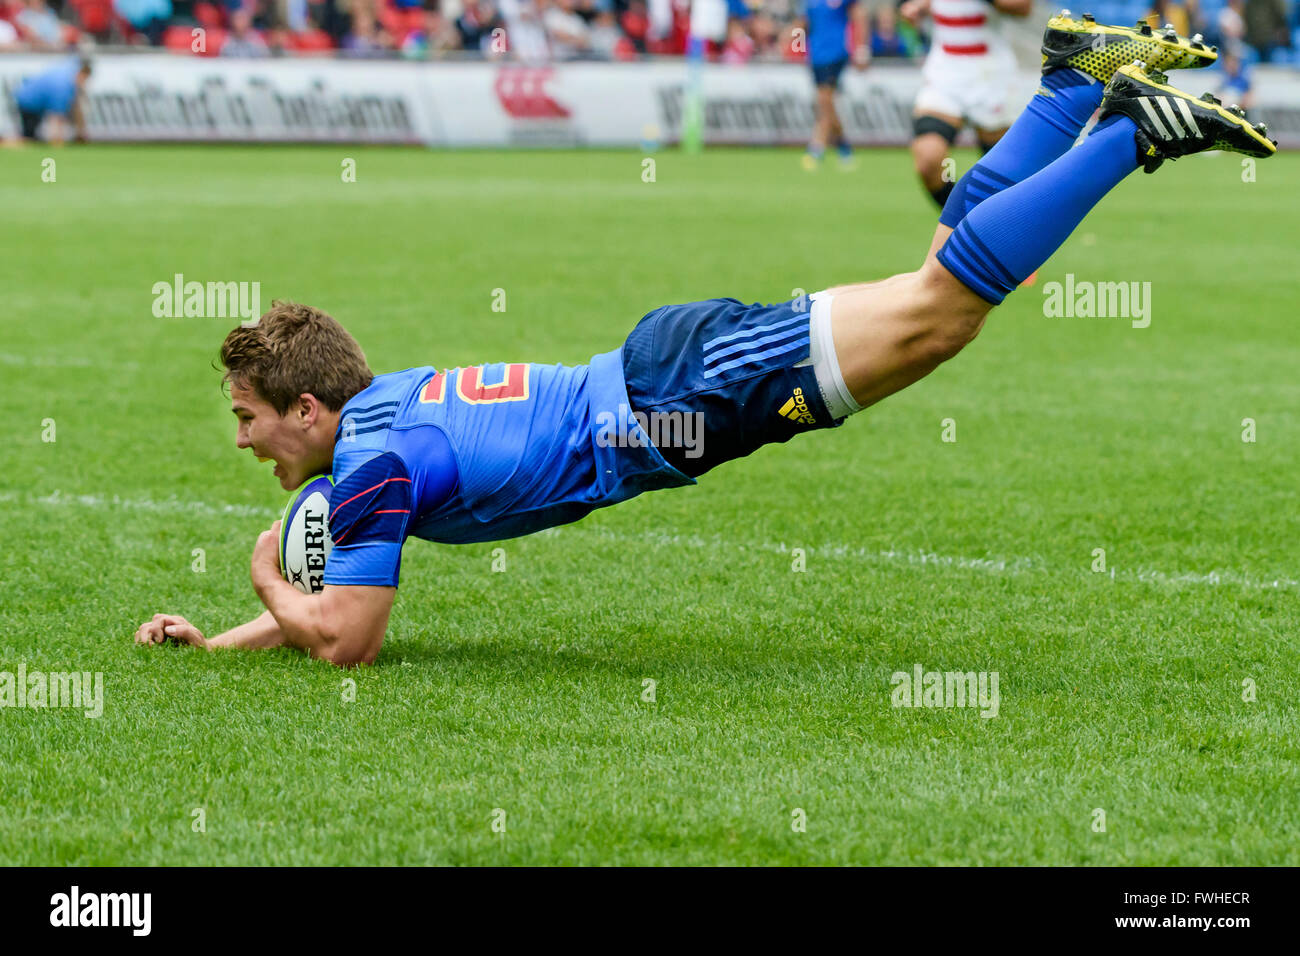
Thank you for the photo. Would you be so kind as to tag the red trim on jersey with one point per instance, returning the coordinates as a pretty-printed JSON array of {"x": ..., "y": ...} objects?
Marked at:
[
  {"x": 370, "y": 489},
  {"x": 975, "y": 20},
  {"x": 965, "y": 49}
]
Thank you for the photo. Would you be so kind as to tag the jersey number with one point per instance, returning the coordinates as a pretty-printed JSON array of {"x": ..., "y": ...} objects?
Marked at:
[{"x": 473, "y": 390}]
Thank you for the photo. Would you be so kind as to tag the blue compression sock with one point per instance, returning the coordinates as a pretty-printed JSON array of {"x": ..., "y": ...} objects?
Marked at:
[
  {"x": 1043, "y": 132},
  {"x": 1014, "y": 232}
]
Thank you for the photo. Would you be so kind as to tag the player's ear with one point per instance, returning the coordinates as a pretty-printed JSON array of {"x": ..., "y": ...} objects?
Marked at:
[{"x": 307, "y": 409}]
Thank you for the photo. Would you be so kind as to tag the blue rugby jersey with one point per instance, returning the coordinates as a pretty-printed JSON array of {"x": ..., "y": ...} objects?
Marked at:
[
  {"x": 828, "y": 24},
  {"x": 481, "y": 454}
]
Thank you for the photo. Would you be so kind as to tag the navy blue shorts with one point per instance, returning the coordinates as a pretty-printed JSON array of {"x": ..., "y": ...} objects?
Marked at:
[
  {"x": 828, "y": 74},
  {"x": 735, "y": 366},
  {"x": 31, "y": 122}
]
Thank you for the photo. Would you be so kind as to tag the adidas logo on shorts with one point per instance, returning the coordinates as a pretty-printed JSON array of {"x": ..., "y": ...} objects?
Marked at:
[{"x": 796, "y": 409}]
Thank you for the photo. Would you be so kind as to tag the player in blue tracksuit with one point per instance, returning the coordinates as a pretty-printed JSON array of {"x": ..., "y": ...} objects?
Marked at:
[
  {"x": 487, "y": 452},
  {"x": 56, "y": 92},
  {"x": 827, "y": 25}
]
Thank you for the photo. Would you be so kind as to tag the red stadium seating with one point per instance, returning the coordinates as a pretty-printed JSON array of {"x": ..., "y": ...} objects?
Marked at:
[
  {"x": 400, "y": 23},
  {"x": 310, "y": 41},
  {"x": 216, "y": 37},
  {"x": 210, "y": 15},
  {"x": 95, "y": 16},
  {"x": 178, "y": 39},
  {"x": 625, "y": 50}
]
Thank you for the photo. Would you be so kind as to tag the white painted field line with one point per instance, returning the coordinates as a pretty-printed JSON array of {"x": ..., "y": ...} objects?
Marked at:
[
  {"x": 916, "y": 557},
  {"x": 58, "y": 499},
  {"x": 59, "y": 361}
]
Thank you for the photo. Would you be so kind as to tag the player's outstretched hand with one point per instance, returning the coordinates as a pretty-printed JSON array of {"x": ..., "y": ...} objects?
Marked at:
[{"x": 173, "y": 626}]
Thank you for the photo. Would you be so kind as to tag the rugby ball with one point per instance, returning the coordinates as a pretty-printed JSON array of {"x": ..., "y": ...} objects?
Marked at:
[{"x": 305, "y": 535}]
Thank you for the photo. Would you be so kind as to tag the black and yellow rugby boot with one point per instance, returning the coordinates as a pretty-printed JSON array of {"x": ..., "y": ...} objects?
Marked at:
[
  {"x": 1098, "y": 49},
  {"x": 1171, "y": 123}
]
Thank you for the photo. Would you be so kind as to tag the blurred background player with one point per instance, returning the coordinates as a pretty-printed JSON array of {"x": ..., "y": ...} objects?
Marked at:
[
  {"x": 57, "y": 93},
  {"x": 968, "y": 78},
  {"x": 827, "y": 26},
  {"x": 1234, "y": 78}
]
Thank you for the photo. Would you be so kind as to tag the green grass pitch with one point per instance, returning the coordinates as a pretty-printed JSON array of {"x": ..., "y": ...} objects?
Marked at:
[{"x": 523, "y": 691}]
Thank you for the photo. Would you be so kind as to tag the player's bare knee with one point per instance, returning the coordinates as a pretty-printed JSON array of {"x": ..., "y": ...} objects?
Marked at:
[
  {"x": 949, "y": 335},
  {"x": 954, "y": 314}
]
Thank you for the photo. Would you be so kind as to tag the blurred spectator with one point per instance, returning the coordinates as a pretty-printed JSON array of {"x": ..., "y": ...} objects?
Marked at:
[
  {"x": 635, "y": 22},
  {"x": 293, "y": 15},
  {"x": 885, "y": 38},
  {"x": 477, "y": 20},
  {"x": 525, "y": 31},
  {"x": 332, "y": 16},
  {"x": 766, "y": 35},
  {"x": 566, "y": 32},
  {"x": 243, "y": 40},
  {"x": 38, "y": 25},
  {"x": 148, "y": 17},
  {"x": 1234, "y": 78},
  {"x": 367, "y": 37},
  {"x": 1170, "y": 12},
  {"x": 607, "y": 40},
  {"x": 1266, "y": 27},
  {"x": 537, "y": 31},
  {"x": 1196, "y": 18},
  {"x": 1231, "y": 25},
  {"x": 660, "y": 18},
  {"x": 739, "y": 47},
  {"x": 432, "y": 34}
]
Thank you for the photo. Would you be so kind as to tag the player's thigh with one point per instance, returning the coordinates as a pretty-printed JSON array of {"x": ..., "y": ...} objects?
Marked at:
[{"x": 906, "y": 322}]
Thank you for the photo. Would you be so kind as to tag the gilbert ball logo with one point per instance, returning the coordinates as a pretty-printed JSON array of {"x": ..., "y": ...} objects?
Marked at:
[{"x": 75, "y": 908}]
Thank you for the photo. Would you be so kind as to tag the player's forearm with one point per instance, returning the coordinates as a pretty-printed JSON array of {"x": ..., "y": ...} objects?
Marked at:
[
  {"x": 297, "y": 615},
  {"x": 258, "y": 634}
]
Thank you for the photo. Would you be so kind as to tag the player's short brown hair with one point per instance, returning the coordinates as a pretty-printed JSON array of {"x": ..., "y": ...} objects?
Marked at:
[{"x": 294, "y": 349}]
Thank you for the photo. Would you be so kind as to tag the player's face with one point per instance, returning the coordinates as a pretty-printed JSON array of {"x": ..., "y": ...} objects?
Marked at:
[{"x": 270, "y": 435}]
